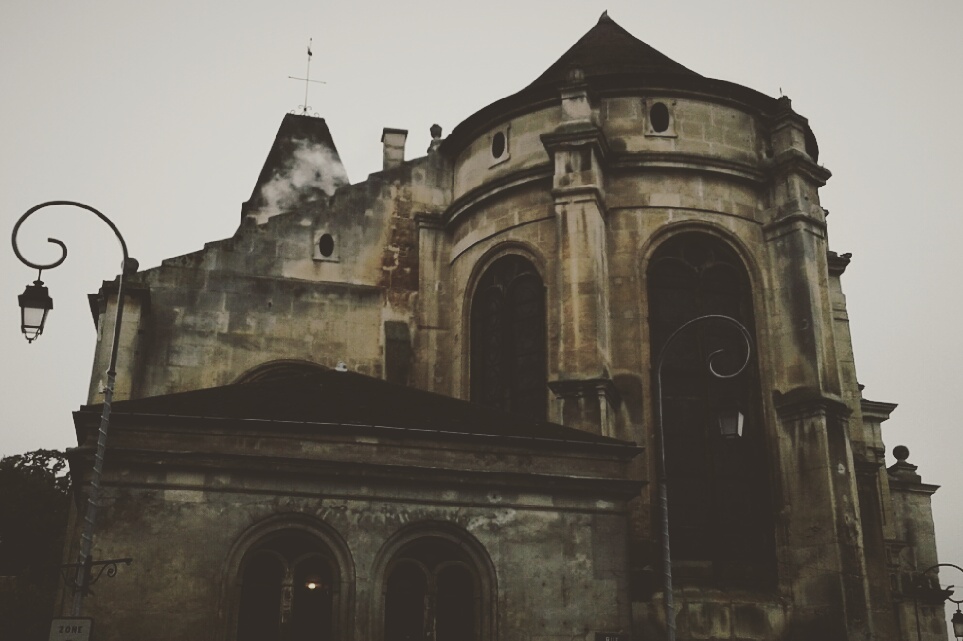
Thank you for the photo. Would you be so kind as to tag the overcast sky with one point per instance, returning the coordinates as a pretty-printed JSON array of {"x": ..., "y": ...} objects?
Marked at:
[{"x": 161, "y": 115}]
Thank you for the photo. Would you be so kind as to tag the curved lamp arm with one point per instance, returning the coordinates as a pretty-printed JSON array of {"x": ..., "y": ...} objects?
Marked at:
[
  {"x": 86, "y": 538},
  {"x": 63, "y": 248},
  {"x": 662, "y": 475}
]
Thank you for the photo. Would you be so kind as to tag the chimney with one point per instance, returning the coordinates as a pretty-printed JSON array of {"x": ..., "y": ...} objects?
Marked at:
[{"x": 394, "y": 142}]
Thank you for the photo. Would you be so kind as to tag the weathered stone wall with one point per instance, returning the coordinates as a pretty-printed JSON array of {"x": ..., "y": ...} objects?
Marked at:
[
  {"x": 913, "y": 549},
  {"x": 551, "y": 559},
  {"x": 748, "y": 178},
  {"x": 270, "y": 292}
]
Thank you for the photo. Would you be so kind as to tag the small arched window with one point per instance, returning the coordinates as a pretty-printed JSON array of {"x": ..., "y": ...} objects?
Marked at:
[
  {"x": 508, "y": 359},
  {"x": 431, "y": 592},
  {"x": 720, "y": 514},
  {"x": 289, "y": 585}
]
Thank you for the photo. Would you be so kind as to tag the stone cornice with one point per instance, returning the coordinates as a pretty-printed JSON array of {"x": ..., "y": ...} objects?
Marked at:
[
  {"x": 807, "y": 401},
  {"x": 867, "y": 468},
  {"x": 912, "y": 486},
  {"x": 795, "y": 161},
  {"x": 797, "y": 220},
  {"x": 876, "y": 409},
  {"x": 429, "y": 220},
  {"x": 688, "y": 162},
  {"x": 582, "y": 387},
  {"x": 577, "y": 134},
  {"x": 139, "y": 292},
  {"x": 87, "y": 420},
  {"x": 581, "y": 193},
  {"x": 367, "y": 472},
  {"x": 486, "y": 191}
]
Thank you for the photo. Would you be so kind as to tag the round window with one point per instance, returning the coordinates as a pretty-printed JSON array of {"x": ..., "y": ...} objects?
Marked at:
[
  {"x": 326, "y": 245},
  {"x": 659, "y": 117},
  {"x": 498, "y": 145}
]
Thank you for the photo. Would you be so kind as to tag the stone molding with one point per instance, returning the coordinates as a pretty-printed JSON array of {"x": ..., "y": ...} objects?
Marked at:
[
  {"x": 138, "y": 292},
  {"x": 807, "y": 402},
  {"x": 586, "y": 388},
  {"x": 478, "y": 196}
]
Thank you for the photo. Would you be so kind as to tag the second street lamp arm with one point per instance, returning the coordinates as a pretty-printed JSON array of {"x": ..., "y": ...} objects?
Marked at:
[{"x": 663, "y": 480}]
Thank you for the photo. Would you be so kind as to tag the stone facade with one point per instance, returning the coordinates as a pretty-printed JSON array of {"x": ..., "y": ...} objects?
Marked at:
[{"x": 562, "y": 212}]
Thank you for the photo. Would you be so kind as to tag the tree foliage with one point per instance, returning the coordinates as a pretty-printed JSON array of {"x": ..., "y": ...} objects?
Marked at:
[{"x": 34, "y": 501}]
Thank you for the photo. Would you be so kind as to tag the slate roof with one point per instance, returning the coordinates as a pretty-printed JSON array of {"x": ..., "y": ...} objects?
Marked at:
[
  {"x": 295, "y": 130},
  {"x": 612, "y": 59},
  {"x": 608, "y": 49},
  {"x": 328, "y": 397}
]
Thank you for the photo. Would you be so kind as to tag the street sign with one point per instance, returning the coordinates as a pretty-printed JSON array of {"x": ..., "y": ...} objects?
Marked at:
[{"x": 70, "y": 629}]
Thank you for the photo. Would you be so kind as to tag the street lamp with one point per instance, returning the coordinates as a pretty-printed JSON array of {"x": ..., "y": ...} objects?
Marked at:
[
  {"x": 35, "y": 303},
  {"x": 731, "y": 421},
  {"x": 730, "y": 426},
  {"x": 921, "y": 587}
]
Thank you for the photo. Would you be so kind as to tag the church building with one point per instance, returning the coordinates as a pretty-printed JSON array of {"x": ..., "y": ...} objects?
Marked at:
[{"x": 441, "y": 403}]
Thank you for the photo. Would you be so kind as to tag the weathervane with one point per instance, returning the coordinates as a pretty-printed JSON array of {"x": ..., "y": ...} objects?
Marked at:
[{"x": 307, "y": 80}]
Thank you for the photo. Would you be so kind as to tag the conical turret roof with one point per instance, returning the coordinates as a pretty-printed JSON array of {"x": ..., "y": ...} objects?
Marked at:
[
  {"x": 608, "y": 49},
  {"x": 612, "y": 60}
]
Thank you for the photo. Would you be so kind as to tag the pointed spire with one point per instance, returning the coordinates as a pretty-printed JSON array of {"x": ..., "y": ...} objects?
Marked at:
[{"x": 608, "y": 49}]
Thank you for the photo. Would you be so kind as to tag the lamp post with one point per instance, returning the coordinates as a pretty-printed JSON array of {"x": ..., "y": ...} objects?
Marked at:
[
  {"x": 35, "y": 303},
  {"x": 921, "y": 587},
  {"x": 730, "y": 426}
]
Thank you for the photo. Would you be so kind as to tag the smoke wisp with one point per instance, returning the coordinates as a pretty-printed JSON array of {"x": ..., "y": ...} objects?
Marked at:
[{"x": 312, "y": 168}]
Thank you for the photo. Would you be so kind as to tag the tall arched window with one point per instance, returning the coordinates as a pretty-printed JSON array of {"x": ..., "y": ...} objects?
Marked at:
[
  {"x": 720, "y": 509},
  {"x": 288, "y": 588},
  {"x": 508, "y": 368},
  {"x": 431, "y": 592}
]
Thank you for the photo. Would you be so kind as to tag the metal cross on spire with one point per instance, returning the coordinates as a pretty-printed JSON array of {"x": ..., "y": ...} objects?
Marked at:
[{"x": 307, "y": 81}]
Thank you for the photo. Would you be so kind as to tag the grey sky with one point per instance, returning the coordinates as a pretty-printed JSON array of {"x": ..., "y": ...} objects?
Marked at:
[{"x": 161, "y": 114}]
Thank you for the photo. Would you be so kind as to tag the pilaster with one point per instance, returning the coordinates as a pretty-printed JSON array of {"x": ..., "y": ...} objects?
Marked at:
[
  {"x": 103, "y": 307},
  {"x": 919, "y": 599},
  {"x": 823, "y": 557},
  {"x": 801, "y": 314},
  {"x": 580, "y": 378},
  {"x": 433, "y": 334}
]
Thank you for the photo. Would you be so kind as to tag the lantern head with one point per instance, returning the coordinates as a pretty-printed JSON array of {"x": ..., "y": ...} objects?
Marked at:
[{"x": 35, "y": 303}]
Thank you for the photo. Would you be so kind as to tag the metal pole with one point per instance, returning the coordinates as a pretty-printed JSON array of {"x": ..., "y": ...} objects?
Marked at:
[
  {"x": 90, "y": 517},
  {"x": 662, "y": 473}
]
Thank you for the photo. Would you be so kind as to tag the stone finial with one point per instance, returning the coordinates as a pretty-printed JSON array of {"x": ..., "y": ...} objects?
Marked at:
[
  {"x": 435, "y": 143},
  {"x": 902, "y": 469}
]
